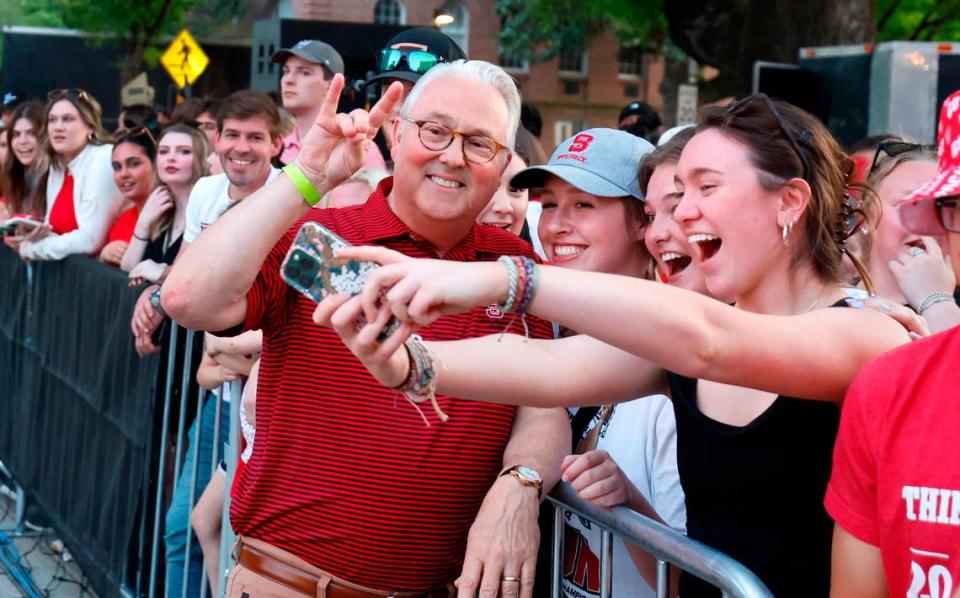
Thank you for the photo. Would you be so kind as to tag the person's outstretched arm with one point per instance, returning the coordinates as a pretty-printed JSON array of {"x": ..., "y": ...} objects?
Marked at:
[
  {"x": 207, "y": 287},
  {"x": 814, "y": 355},
  {"x": 573, "y": 371}
]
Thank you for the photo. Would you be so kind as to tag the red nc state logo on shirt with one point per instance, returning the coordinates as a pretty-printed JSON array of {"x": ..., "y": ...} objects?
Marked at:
[{"x": 580, "y": 143}]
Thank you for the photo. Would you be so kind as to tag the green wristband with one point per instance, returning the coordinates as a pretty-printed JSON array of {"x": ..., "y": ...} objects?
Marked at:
[{"x": 302, "y": 183}]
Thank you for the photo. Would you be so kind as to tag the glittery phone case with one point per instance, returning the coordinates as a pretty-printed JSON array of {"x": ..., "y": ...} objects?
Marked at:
[{"x": 312, "y": 267}]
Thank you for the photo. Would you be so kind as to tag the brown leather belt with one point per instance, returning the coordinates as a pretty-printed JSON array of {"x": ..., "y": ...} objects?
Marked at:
[{"x": 307, "y": 583}]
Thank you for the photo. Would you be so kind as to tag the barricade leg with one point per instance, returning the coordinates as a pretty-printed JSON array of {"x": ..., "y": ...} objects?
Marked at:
[
  {"x": 184, "y": 395},
  {"x": 194, "y": 474},
  {"x": 214, "y": 465},
  {"x": 227, "y": 537},
  {"x": 162, "y": 462},
  {"x": 184, "y": 555},
  {"x": 663, "y": 578},
  {"x": 557, "y": 552},
  {"x": 606, "y": 563}
]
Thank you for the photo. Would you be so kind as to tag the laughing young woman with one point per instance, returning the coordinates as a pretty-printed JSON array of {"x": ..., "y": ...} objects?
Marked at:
[{"x": 755, "y": 386}]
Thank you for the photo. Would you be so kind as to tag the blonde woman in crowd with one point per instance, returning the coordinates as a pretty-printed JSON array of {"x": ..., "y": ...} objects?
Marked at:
[
  {"x": 82, "y": 199},
  {"x": 181, "y": 160}
]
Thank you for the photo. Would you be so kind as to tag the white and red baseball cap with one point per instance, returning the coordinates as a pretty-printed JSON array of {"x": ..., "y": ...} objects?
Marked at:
[{"x": 918, "y": 211}]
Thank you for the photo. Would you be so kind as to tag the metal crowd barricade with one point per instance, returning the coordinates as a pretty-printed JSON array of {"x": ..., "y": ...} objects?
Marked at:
[
  {"x": 180, "y": 445},
  {"x": 668, "y": 546}
]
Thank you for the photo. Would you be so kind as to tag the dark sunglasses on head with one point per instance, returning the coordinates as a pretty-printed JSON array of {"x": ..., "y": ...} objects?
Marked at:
[
  {"x": 136, "y": 133},
  {"x": 894, "y": 149},
  {"x": 72, "y": 93},
  {"x": 793, "y": 140},
  {"x": 418, "y": 61}
]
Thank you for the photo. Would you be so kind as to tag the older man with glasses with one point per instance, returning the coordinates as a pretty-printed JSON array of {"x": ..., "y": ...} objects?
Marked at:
[{"x": 348, "y": 493}]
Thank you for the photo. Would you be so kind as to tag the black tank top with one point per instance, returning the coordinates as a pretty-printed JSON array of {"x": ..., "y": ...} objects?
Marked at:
[{"x": 756, "y": 492}]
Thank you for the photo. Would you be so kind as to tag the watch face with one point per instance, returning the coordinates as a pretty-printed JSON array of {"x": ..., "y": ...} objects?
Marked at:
[{"x": 530, "y": 474}]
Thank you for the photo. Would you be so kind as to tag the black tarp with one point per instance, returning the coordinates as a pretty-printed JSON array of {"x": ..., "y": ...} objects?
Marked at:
[{"x": 76, "y": 406}]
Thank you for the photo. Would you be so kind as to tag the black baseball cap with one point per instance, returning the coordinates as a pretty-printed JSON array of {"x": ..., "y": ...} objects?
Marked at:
[
  {"x": 436, "y": 43},
  {"x": 313, "y": 51}
]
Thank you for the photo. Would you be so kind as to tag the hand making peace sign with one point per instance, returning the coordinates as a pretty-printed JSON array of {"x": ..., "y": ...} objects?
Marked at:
[{"x": 334, "y": 147}]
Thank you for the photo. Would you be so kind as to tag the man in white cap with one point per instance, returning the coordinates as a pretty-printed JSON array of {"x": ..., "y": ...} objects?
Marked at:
[{"x": 895, "y": 488}]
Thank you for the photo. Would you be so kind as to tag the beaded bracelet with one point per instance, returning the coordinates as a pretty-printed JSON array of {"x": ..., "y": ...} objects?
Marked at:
[
  {"x": 932, "y": 299},
  {"x": 530, "y": 268},
  {"x": 513, "y": 276},
  {"x": 521, "y": 282},
  {"x": 421, "y": 382}
]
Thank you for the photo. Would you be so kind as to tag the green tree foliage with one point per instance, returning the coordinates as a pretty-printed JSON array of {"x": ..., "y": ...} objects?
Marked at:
[
  {"x": 136, "y": 26},
  {"x": 918, "y": 20},
  {"x": 727, "y": 34},
  {"x": 33, "y": 13},
  {"x": 537, "y": 29}
]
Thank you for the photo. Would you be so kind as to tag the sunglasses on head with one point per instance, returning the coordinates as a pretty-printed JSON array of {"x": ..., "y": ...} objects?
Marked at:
[
  {"x": 417, "y": 61},
  {"x": 136, "y": 133},
  {"x": 894, "y": 149},
  {"x": 71, "y": 93},
  {"x": 793, "y": 140}
]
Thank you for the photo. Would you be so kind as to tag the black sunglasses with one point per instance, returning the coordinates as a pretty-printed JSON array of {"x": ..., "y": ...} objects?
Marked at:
[
  {"x": 794, "y": 140},
  {"x": 71, "y": 93},
  {"x": 896, "y": 148},
  {"x": 128, "y": 134}
]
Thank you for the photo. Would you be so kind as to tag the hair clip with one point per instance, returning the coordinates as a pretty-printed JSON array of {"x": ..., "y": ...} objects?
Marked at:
[{"x": 805, "y": 136}]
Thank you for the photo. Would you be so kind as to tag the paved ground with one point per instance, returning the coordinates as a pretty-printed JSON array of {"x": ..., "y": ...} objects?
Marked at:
[{"x": 53, "y": 575}]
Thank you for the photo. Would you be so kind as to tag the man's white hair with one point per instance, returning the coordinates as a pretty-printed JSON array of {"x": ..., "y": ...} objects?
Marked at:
[{"x": 476, "y": 70}]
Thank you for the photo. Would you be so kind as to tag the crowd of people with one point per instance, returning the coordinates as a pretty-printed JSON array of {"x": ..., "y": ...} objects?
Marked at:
[{"x": 736, "y": 328}]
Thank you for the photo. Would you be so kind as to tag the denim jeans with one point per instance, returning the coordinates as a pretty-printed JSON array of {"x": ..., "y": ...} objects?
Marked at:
[{"x": 178, "y": 515}]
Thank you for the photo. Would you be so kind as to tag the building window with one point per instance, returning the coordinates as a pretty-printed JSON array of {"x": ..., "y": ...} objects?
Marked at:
[
  {"x": 459, "y": 29},
  {"x": 389, "y": 12},
  {"x": 564, "y": 129},
  {"x": 573, "y": 62},
  {"x": 513, "y": 63},
  {"x": 631, "y": 61}
]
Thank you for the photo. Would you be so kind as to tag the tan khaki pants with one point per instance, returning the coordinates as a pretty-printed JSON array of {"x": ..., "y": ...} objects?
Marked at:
[{"x": 246, "y": 583}]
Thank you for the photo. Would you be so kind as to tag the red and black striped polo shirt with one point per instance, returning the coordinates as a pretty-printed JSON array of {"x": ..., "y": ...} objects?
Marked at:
[{"x": 344, "y": 473}]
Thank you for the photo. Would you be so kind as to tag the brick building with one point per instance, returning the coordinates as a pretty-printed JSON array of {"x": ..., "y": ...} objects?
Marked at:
[{"x": 573, "y": 91}]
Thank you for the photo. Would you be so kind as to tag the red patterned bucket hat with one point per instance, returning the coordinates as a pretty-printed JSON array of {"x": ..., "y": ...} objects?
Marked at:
[{"x": 918, "y": 211}]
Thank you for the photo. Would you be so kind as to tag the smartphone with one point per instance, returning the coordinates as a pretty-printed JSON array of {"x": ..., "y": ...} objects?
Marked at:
[
  {"x": 19, "y": 222},
  {"x": 313, "y": 268},
  {"x": 27, "y": 222}
]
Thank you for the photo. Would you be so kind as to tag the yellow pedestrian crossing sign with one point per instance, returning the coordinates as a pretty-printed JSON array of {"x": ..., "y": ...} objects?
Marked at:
[{"x": 184, "y": 59}]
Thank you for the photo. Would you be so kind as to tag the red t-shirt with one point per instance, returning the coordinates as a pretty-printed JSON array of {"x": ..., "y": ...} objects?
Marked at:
[
  {"x": 344, "y": 473},
  {"x": 122, "y": 229},
  {"x": 896, "y": 465}
]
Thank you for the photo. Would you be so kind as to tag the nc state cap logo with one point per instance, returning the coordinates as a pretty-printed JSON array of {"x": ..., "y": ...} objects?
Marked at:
[
  {"x": 580, "y": 143},
  {"x": 493, "y": 311}
]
